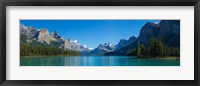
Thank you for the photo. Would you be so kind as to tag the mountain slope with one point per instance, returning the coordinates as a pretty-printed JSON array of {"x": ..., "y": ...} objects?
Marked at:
[
  {"x": 102, "y": 49},
  {"x": 43, "y": 36},
  {"x": 166, "y": 30},
  {"x": 124, "y": 42},
  {"x": 54, "y": 39}
]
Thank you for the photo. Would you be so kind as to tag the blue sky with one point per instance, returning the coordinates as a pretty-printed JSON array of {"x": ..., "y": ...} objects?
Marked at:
[{"x": 91, "y": 32}]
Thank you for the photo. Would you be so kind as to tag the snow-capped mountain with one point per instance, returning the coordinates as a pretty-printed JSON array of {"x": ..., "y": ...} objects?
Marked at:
[
  {"x": 102, "y": 49},
  {"x": 42, "y": 36}
]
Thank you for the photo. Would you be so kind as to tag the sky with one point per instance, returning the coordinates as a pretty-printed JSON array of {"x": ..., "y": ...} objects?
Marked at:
[{"x": 91, "y": 32}]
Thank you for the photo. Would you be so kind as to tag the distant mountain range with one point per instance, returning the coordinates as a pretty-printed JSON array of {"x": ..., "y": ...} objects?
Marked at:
[
  {"x": 102, "y": 49},
  {"x": 43, "y": 36},
  {"x": 166, "y": 30}
]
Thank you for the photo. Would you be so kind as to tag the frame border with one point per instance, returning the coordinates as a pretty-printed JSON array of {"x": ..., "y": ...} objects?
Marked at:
[{"x": 4, "y": 3}]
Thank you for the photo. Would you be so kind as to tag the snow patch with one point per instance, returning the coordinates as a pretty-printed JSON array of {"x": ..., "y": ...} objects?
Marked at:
[{"x": 155, "y": 22}]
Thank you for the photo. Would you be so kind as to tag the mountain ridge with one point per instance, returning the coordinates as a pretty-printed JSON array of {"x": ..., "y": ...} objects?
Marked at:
[
  {"x": 166, "y": 30},
  {"x": 43, "y": 36}
]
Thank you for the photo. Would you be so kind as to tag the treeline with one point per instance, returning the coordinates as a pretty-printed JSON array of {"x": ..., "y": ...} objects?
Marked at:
[
  {"x": 44, "y": 50},
  {"x": 157, "y": 48},
  {"x": 41, "y": 49}
]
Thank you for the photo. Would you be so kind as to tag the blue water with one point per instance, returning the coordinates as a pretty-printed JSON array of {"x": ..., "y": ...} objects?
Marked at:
[{"x": 96, "y": 61}]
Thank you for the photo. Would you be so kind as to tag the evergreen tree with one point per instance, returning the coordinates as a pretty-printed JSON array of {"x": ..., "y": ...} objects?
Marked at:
[
  {"x": 138, "y": 49},
  {"x": 41, "y": 50},
  {"x": 157, "y": 48}
]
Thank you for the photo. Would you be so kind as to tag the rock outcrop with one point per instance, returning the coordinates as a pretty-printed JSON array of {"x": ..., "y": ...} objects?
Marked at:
[
  {"x": 43, "y": 36},
  {"x": 28, "y": 31},
  {"x": 148, "y": 30}
]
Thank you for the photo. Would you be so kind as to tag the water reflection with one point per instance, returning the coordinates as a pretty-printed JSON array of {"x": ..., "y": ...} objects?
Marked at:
[{"x": 96, "y": 61}]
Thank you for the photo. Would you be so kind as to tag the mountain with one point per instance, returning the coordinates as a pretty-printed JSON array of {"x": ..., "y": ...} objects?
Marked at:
[
  {"x": 28, "y": 31},
  {"x": 124, "y": 42},
  {"x": 166, "y": 30},
  {"x": 74, "y": 45},
  {"x": 55, "y": 35},
  {"x": 148, "y": 30},
  {"x": 102, "y": 49},
  {"x": 42, "y": 36},
  {"x": 170, "y": 32}
]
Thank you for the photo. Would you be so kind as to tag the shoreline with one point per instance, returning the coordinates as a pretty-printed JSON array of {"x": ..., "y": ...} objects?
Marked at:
[
  {"x": 133, "y": 57},
  {"x": 41, "y": 56},
  {"x": 168, "y": 58}
]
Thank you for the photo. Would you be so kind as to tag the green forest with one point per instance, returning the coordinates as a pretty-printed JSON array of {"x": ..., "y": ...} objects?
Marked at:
[
  {"x": 41, "y": 50},
  {"x": 157, "y": 48},
  {"x": 38, "y": 49}
]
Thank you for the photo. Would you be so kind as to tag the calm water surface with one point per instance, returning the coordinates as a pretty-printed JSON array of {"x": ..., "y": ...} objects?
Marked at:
[{"x": 96, "y": 61}]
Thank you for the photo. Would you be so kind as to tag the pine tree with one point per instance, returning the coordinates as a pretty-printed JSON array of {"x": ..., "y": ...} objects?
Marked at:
[{"x": 138, "y": 49}]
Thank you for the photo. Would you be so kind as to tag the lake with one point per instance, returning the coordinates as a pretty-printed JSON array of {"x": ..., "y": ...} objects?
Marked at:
[{"x": 96, "y": 61}]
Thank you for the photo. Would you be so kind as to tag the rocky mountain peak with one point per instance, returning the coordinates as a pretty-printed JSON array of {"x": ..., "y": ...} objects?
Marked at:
[
  {"x": 54, "y": 39},
  {"x": 124, "y": 42},
  {"x": 22, "y": 26},
  {"x": 28, "y": 31},
  {"x": 44, "y": 31},
  {"x": 108, "y": 44},
  {"x": 100, "y": 46},
  {"x": 55, "y": 34},
  {"x": 152, "y": 24},
  {"x": 43, "y": 36},
  {"x": 102, "y": 49},
  {"x": 148, "y": 30},
  {"x": 132, "y": 39}
]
